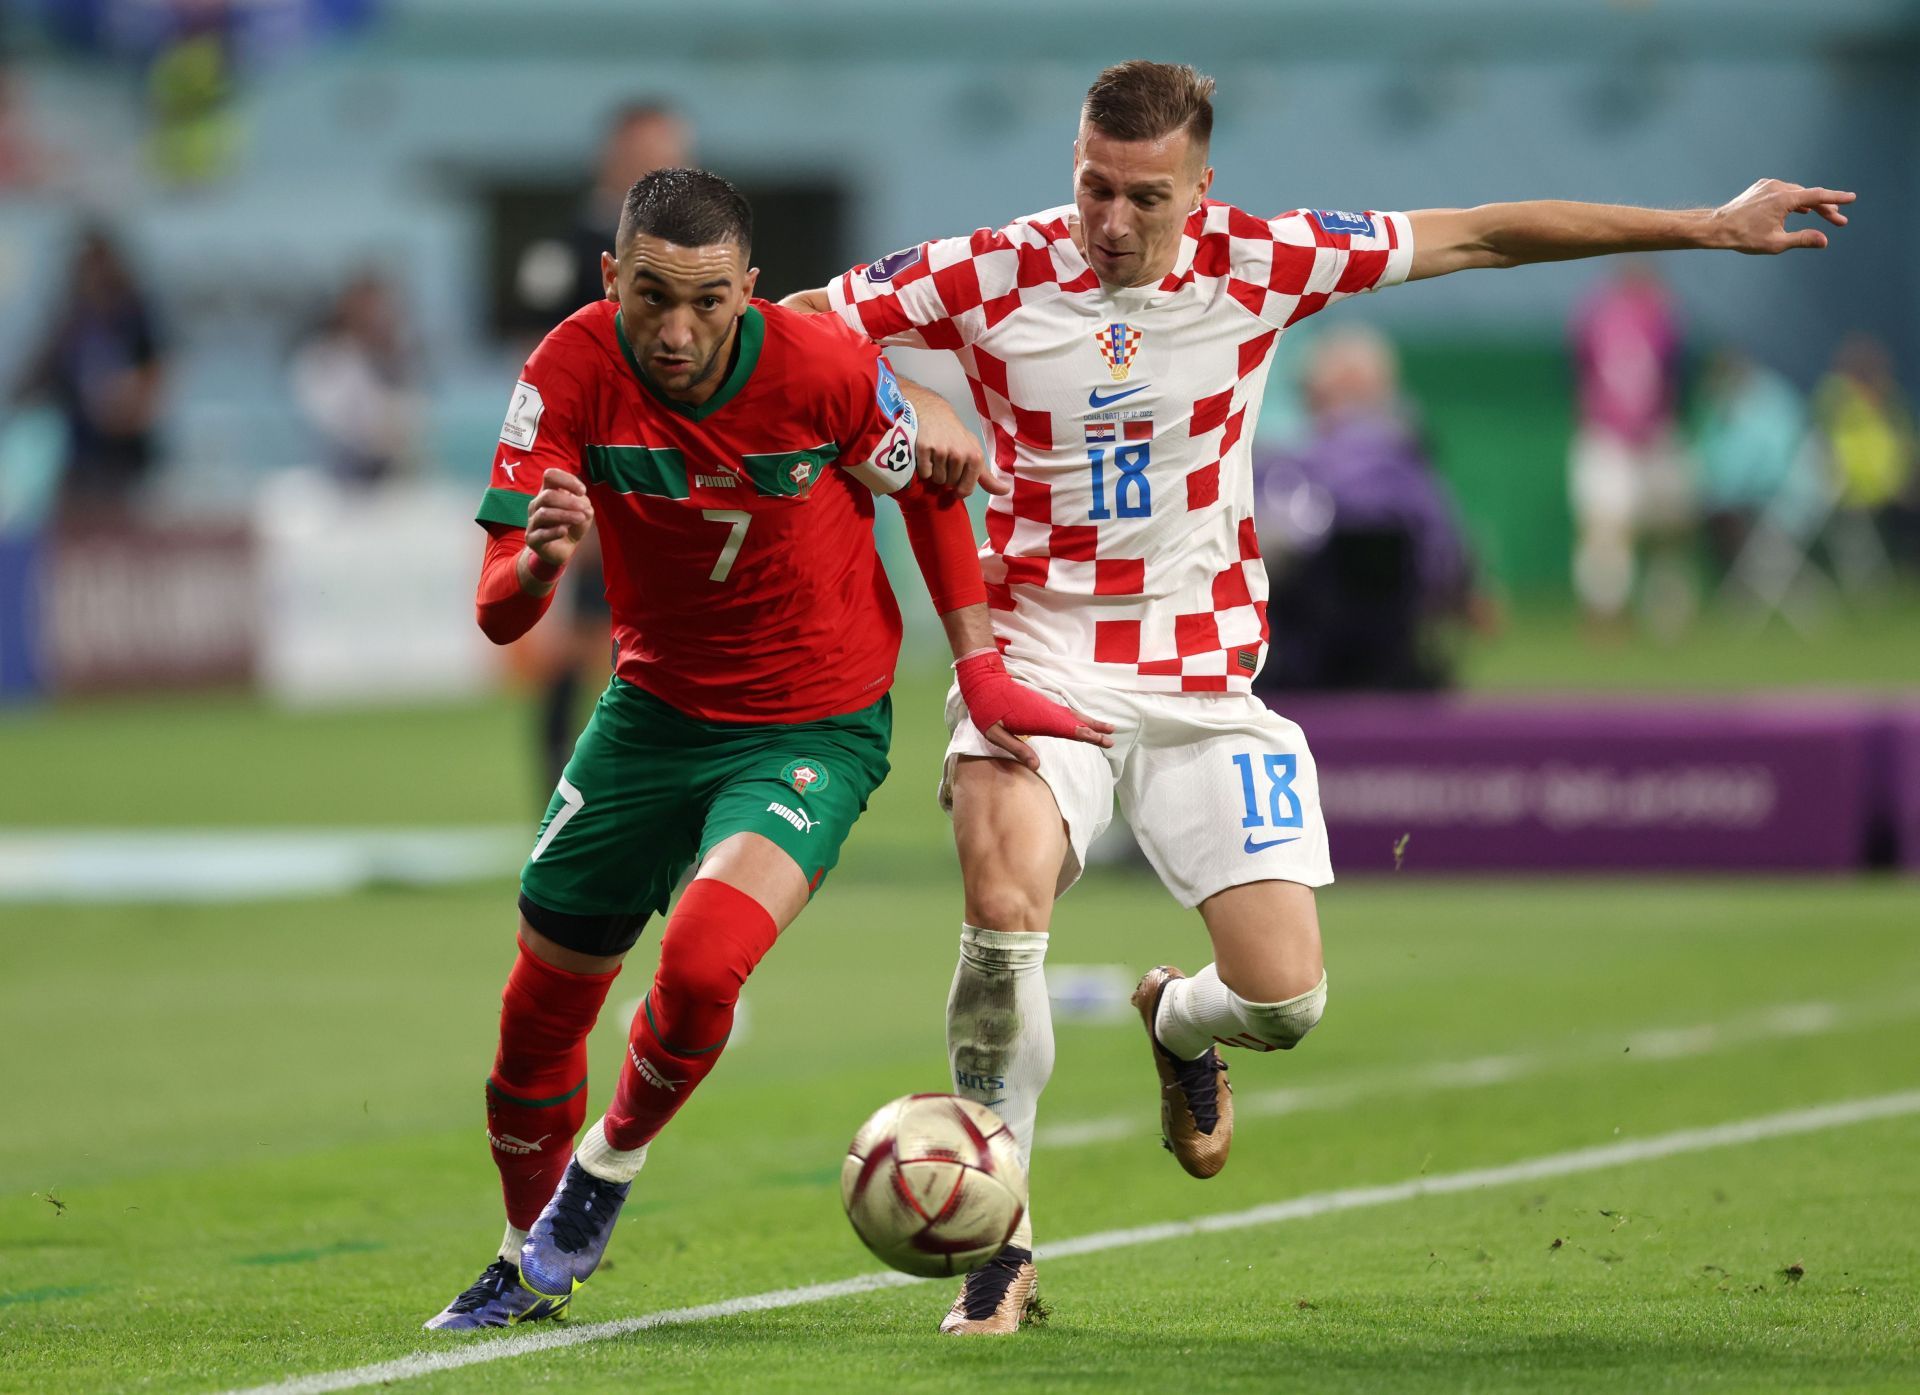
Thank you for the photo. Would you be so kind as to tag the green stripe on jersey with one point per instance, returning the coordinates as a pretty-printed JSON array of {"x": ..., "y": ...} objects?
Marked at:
[
  {"x": 788, "y": 471},
  {"x": 505, "y": 507},
  {"x": 639, "y": 470}
]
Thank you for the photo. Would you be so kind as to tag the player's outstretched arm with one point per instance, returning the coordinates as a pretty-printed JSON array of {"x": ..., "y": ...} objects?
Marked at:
[{"x": 1550, "y": 230}]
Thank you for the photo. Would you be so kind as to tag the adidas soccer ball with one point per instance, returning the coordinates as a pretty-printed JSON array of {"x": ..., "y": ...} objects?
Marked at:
[{"x": 933, "y": 1184}]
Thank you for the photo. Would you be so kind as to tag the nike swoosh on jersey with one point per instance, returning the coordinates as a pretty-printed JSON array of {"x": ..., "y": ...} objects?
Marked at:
[
  {"x": 1096, "y": 401},
  {"x": 1254, "y": 847}
]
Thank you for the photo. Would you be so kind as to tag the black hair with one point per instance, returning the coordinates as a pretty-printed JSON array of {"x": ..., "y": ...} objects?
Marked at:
[{"x": 689, "y": 208}]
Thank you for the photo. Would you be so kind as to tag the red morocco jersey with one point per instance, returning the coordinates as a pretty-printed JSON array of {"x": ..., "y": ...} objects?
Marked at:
[{"x": 736, "y": 536}]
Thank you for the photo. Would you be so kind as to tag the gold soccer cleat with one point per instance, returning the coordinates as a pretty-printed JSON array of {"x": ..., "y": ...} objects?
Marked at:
[
  {"x": 994, "y": 1298},
  {"x": 1196, "y": 1102}
]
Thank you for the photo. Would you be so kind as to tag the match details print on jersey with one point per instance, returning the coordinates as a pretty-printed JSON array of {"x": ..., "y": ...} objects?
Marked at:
[{"x": 1126, "y": 555}]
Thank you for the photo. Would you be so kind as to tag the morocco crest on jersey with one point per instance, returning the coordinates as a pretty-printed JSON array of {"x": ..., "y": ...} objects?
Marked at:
[{"x": 1118, "y": 344}]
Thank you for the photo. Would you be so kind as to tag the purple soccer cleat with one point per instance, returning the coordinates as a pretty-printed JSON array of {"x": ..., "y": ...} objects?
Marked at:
[
  {"x": 566, "y": 1243},
  {"x": 496, "y": 1299}
]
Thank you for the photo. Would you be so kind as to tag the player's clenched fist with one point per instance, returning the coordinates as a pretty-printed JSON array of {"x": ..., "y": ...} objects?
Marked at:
[
  {"x": 557, "y": 519},
  {"x": 946, "y": 453}
]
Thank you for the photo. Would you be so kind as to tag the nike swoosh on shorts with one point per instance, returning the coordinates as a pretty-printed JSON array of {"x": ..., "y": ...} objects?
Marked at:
[{"x": 1254, "y": 847}]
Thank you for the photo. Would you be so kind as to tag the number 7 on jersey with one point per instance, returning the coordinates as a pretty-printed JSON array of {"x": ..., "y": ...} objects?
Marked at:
[{"x": 739, "y": 518}]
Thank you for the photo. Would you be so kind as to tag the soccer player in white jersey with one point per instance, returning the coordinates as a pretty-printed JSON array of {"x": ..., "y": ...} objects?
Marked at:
[{"x": 1117, "y": 348}]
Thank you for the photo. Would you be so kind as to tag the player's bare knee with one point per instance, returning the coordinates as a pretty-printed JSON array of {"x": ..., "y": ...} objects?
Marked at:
[{"x": 1009, "y": 908}]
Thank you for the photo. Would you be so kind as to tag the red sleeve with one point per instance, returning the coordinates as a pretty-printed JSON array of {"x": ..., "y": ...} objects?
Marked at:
[
  {"x": 545, "y": 426},
  {"x": 505, "y": 611},
  {"x": 867, "y": 415},
  {"x": 943, "y": 545}
]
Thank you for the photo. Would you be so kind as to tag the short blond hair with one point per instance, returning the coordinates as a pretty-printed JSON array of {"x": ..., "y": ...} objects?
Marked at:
[{"x": 1143, "y": 100}]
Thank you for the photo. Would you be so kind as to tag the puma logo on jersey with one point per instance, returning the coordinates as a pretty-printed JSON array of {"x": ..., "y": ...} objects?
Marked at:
[{"x": 715, "y": 481}]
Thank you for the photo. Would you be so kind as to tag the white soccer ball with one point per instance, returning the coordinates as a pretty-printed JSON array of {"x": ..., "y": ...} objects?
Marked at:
[{"x": 933, "y": 1184}]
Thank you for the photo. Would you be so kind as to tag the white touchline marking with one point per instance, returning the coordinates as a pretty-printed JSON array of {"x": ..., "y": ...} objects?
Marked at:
[
  {"x": 1661, "y": 1044},
  {"x": 1667, "y": 1145}
]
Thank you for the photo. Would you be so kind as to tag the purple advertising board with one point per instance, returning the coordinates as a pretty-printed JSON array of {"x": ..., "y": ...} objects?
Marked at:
[
  {"x": 1903, "y": 767},
  {"x": 1440, "y": 784}
]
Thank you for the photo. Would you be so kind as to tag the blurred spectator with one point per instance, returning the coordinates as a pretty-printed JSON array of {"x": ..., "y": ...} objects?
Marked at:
[
  {"x": 102, "y": 366},
  {"x": 1628, "y": 479},
  {"x": 640, "y": 138},
  {"x": 1750, "y": 439},
  {"x": 196, "y": 131},
  {"x": 1869, "y": 433},
  {"x": 24, "y": 162},
  {"x": 1364, "y": 545},
  {"x": 354, "y": 381}
]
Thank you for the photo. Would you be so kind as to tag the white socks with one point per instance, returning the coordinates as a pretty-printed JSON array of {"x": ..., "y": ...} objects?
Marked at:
[
  {"x": 1196, "y": 1012},
  {"x": 600, "y": 1158},
  {"x": 510, "y": 1246},
  {"x": 605, "y": 1161},
  {"x": 1000, "y": 1032}
]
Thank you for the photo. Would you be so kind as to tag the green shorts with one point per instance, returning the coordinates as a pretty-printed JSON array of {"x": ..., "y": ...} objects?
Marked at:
[{"x": 650, "y": 790}]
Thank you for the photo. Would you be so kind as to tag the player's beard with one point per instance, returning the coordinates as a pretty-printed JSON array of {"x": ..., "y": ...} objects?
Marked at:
[{"x": 713, "y": 365}]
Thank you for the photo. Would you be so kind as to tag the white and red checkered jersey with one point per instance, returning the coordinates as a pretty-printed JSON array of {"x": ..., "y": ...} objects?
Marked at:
[{"x": 1126, "y": 554}]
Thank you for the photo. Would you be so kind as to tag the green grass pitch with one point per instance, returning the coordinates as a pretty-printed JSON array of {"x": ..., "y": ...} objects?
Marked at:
[
  {"x": 248, "y": 1145},
  {"x": 244, "y": 1142}
]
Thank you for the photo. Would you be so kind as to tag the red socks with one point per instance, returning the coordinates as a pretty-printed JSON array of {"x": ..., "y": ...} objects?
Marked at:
[
  {"x": 716, "y": 936},
  {"x": 537, "y": 1094}
]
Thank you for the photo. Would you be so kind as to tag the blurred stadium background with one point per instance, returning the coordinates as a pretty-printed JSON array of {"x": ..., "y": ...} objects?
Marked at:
[{"x": 268, "y": 267}]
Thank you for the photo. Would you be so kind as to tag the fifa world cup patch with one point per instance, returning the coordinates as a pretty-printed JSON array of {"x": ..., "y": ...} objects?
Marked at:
[
  {"x": 805, "y": 776},
  {"x": 1334, "y": 221},
  {"x": 893, "y": 264},
  {"x": 522, "y": 425},
  {"x": 1118, "y": 345}
]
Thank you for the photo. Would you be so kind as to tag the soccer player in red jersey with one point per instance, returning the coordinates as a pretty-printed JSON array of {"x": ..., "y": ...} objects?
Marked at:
[
  {"x": 730, "y": 452},
  {"x": 1117, "y": 348}
]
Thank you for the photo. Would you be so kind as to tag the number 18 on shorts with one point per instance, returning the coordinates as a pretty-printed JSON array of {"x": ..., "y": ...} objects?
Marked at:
[{"x": 1219, "y": 789}]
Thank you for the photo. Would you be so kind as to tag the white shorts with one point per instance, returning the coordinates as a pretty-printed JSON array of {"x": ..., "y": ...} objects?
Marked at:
[
  {"x": 1629, "y": 488},
  {"x": 1219, "y": 789}
]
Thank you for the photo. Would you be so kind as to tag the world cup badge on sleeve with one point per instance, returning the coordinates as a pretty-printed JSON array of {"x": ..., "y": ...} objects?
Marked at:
[{"x": 1118, "y": 344}]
